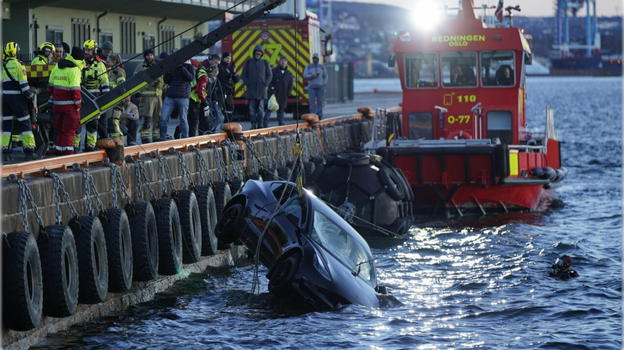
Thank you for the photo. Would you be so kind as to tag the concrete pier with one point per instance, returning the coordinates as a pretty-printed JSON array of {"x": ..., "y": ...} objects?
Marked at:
[{"x": 225, "y": 160}]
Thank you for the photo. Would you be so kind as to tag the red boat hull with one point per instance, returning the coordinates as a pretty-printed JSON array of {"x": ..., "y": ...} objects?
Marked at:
[{"x": 476, "y": 199}]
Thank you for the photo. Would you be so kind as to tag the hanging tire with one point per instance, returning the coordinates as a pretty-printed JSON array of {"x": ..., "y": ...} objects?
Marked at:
[
  {"x": 92, "y": 259},
  {"x": 119, "y": 249},
  {"x": 284, "y": 173},
  {"x": 22, "y": 297},
  {"x": 231, "y": 224},
  {"x": 208, "y": 213},
  {"x": 190, "y": 222},
  {"x": 169, "y": 237},
  {"x": 281, "y": 274},
  {"x": 269, "y": 174},
  {"x": 223, "y": 194},
  {"x": 236, "y": 185},
  {"x": 59, "y": 262},
  {"x": 222, "y": 197},
  {"x": 144, "y": 240}
]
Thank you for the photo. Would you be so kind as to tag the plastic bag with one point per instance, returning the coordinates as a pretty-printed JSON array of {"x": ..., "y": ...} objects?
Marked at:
[{"x": 273, "y": 106}]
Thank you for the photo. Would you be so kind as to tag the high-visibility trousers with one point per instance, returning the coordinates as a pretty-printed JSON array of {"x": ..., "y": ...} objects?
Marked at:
[
  {"x": 16, "y": 121},
  {"x": 66, "y": 122}
]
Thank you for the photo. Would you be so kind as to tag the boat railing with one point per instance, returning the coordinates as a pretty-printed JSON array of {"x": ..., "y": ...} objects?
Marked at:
[{"x": 528, "y": 148}]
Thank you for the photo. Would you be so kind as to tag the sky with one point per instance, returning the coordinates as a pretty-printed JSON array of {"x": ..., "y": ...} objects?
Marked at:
[{"x": 529, "y": 7}]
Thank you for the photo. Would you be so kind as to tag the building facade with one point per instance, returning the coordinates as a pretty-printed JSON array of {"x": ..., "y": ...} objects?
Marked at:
[{"x": 131, "y": 26}]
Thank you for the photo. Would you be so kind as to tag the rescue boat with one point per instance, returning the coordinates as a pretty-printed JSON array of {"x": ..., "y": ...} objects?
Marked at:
[{"x": 463, "y": 143}]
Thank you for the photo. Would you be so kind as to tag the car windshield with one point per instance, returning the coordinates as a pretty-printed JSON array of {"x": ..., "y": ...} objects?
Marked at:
[{"x": 350, "y": 250}]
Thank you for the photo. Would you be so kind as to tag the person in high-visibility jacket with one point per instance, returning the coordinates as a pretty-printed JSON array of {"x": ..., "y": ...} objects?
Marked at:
[
  {"x": 116, "y": 76},
  {"x": 151, "y": 102},
  {"x": 197, "y": 99},
  {"x": 45, "y": 57},
  {"x": 16, "y": 95},
  {"x": 46, "y": 52},
  {"x": 95, "y": 81},
  {"x": 66, "y": 98}
]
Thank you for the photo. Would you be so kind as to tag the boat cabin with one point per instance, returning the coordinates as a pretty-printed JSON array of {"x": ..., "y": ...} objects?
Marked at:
[{"x": 463, "y": 81}]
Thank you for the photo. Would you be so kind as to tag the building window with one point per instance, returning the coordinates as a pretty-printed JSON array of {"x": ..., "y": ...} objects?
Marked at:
[
  {"x": 148, "y": 42},
  {"x": 81, "y": 31},
  {"x": 166, "y": 38},
  {"x": 104, "y": 37},
  {"x": 54, "y": 35},
  {"x": 128, "y": 35},
  {"x": 185, "y": 41}
]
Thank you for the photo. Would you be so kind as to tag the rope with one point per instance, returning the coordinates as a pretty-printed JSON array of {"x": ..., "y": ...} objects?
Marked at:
[{"x": 256, "y": 280}]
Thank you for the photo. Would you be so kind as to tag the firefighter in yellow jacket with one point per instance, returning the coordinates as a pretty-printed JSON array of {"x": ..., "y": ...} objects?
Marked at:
[
  {"x": 16, "y": 97},
  {"x": 95, "y": 81}
]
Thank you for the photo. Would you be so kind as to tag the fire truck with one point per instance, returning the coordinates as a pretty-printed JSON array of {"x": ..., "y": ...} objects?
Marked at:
[{"x": 280, "y": 35}]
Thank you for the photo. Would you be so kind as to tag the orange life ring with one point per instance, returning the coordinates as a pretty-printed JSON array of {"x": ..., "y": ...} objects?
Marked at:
[{"x": 460, "y": 134}]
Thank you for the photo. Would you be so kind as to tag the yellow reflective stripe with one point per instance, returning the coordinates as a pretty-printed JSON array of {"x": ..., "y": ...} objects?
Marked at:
[
  {"x": 113, "y": 102},
  {"x": 513, "y": 162}
]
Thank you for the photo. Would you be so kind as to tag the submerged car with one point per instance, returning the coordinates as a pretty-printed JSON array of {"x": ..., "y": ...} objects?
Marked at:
[{"x": 310, "y": 251}]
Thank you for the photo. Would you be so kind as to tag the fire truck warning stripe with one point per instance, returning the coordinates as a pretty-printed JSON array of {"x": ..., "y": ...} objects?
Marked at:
[
  {"x": 239, "y": 40},
  {"x": 242, "y": 51},
  {"x": 296, "y": 49}
]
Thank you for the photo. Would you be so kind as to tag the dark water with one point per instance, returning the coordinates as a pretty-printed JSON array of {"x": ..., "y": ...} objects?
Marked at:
[{"x": 478, "y": 283}]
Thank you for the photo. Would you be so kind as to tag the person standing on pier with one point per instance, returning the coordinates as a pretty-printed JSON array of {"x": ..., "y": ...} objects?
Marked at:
[
  {"x": 281, "y": 86},
  {"x": 257, "y": 76},
  {"x": 95, "y": 81},
  {"x": 227, "y": 77},
  {"x": 197, "y": 101},
  {"x": 177, "y": 96},
  {"x": 16, "y": 98},
  {"x": 151, "y": 101},
  {"x": 316, "y": 75},
  {"x": 66, "y": 98}
]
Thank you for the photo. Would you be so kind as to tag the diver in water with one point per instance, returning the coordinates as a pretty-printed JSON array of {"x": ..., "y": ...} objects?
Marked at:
[{"x": 561, "y": 268}]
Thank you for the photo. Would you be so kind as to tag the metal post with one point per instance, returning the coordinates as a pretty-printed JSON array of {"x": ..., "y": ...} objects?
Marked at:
[{"x": 588, "y": 27}]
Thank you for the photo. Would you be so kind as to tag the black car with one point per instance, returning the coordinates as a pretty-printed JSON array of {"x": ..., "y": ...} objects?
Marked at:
[{"x": 310, "y": 251}]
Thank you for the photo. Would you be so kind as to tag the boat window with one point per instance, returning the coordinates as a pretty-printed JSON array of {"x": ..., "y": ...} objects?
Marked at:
[
  {"x": 459, "y": 69},
  {"x": 421, "y": 70},
  {"x": 497, "y": 68},
  {"x": 420, "y": 125},
  {"x": 342, "y": 245},
  {"x": 499, "y": 125}
]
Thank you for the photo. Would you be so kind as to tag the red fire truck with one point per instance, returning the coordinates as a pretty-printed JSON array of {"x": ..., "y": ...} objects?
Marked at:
[
  {"x": 465, "y": 144},
  {"x": 280, "y": 35}
]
